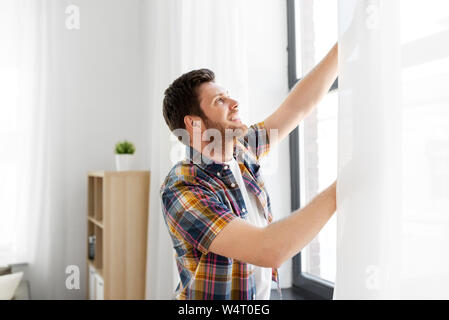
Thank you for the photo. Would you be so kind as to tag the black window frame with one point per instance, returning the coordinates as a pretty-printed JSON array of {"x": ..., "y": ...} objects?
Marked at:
[{"x": 308, "y": 286}]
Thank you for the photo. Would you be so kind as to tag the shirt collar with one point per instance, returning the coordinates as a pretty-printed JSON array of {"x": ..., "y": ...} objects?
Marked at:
[{"x": 195, "y": 157}]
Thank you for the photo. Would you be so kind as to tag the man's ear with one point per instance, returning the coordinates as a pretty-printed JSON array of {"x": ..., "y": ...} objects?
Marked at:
[
  {"x": 192, "y": 122},
  {"x": 188, "y": 122}
]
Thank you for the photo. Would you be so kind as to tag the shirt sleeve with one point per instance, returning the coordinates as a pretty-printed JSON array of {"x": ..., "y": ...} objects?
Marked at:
[
  {"x": 194, "y": 214},
  {"x": 257, "y": 140}
]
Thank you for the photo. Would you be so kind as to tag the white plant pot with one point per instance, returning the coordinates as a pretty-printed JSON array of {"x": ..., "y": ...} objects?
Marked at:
[{"x": 124, "y": 162}]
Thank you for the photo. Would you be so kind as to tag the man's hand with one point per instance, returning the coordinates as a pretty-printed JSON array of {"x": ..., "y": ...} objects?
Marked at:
[{"x": 304, "y": 96}]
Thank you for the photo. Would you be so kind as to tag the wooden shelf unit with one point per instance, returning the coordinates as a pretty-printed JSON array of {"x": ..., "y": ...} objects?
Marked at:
[{"x": 117, "y": 214}]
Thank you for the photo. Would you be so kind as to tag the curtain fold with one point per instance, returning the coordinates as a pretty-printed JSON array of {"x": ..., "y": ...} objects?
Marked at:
[
  {"x": 35, "y": 175},
  {"x": 393, "y": 150}
]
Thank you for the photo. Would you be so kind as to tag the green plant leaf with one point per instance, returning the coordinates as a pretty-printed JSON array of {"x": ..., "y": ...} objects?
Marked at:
[{"x": 125, "y": 147}]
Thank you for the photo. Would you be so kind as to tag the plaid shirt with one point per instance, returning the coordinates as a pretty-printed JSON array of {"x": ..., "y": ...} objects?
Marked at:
[{"x": 199, "y": 198}]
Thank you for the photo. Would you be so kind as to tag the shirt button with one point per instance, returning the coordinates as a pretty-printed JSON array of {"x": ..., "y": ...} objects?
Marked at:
[
  {"x": 218, "y": 173},
  {"x": 243, "y": 210},
  {"x": 226, "y": 167},
  {"x": 233, "y": 185}
]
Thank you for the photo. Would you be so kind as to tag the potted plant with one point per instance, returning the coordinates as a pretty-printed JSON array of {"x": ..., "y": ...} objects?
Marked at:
[{"x": 124, "y": 155}]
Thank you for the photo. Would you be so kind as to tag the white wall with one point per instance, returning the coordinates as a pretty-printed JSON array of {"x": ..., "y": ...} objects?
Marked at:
[
  {"x": 104, "y": 101},
  {"x": 99, "y": 87}
]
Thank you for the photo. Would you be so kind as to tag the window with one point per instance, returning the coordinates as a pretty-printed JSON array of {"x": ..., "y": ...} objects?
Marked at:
[{"x": 312, "y": 30}]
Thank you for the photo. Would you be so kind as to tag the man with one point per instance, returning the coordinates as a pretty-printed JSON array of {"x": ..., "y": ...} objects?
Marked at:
[{"x": 215, "y": 205}]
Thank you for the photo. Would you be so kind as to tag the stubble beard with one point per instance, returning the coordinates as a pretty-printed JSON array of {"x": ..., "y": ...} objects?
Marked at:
[{"x": 230, "y": 132}]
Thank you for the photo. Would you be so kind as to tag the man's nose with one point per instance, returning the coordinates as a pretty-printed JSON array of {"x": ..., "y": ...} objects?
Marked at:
[{"x": 234, "y": 104}]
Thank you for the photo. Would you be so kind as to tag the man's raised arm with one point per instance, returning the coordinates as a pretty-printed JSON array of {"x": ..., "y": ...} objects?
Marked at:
[{"x": 304, "y": 96}]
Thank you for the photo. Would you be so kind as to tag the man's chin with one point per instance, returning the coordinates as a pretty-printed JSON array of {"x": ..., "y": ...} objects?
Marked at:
[
  {"x": 239, "y": 130},
  {"x": 231, "y": 129}
]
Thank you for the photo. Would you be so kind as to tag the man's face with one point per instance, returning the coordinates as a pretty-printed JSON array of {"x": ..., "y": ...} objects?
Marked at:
[{"x": 221, "y": 111}]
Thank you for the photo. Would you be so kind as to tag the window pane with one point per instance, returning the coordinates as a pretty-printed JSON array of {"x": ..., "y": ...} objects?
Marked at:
[
  {"x": 416, "y": 25},
  {"x": 318, "y": 149},
  {"x": 298, "y": 41},
  {"x": 325, "y": 25},
  {"x": 316, "y": 32}
]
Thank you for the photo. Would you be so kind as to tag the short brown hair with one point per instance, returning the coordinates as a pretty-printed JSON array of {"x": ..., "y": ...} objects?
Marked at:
[{"x": 181, "y": 97}]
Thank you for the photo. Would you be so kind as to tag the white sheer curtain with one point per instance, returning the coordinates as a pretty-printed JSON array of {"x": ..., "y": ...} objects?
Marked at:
[
  {"x": 30, "y": 163},
  {"x": 182, "y": 36},
  {"x": 393, "y": 162}
]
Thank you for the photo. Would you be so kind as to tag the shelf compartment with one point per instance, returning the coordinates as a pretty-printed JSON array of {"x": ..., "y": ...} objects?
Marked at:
[
  {"x": 98, "y": 260},
  {"x": 90, "y": 196},
  {"x": 98, "y": 198},
  {"x": 90, "y": 232}
]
